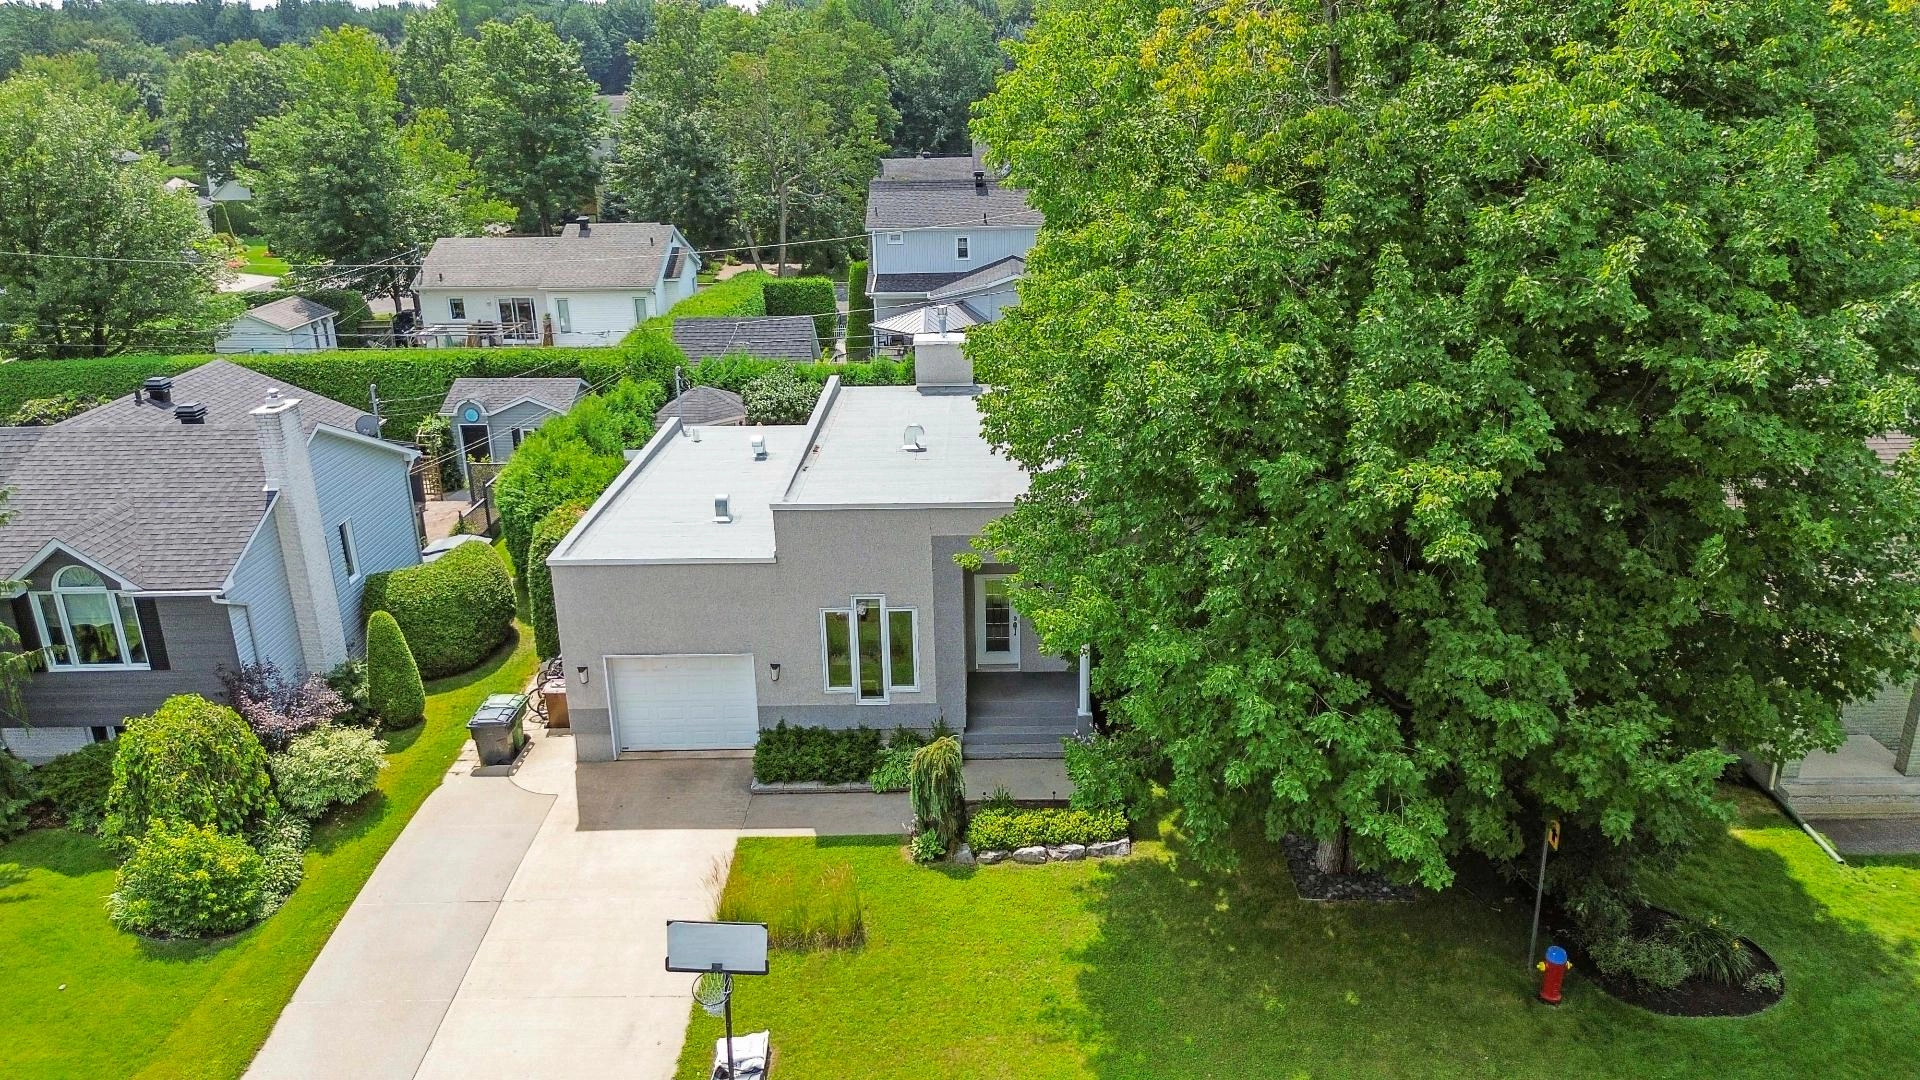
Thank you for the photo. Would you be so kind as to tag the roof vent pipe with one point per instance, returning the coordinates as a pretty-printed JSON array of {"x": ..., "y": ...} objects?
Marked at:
[
  {"x": 190, "y": 412},
  {"x": 722, "y": 513},
  {"x": 979, "y": 181},
  {"x": 159, "y": 389},
  {"x": 759, "y": 442}
]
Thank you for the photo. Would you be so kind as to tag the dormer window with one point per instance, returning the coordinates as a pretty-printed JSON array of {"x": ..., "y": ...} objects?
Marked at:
[
  {"x": 960, "y": 248},
  {"x": 85, "y": 625}
]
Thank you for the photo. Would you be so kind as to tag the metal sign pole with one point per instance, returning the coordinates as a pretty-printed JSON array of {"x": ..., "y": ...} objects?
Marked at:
[
  {"x": 732, "y": 1072},
  {"x": 1549, "y": 838}
]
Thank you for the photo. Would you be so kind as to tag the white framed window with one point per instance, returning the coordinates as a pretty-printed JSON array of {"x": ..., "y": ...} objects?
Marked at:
[
  {"x": 456, "y": 308},
  {"x": 870, "y": 650},
  {"x": 348, "y": 551},
  {"x": 996, "y": 627},
  {"x": 563, "y": 314},
  {"x": 519, "y": 435},
  {"x": 640, "y": 309},
  {"x": 960, "y": 248},
  {"x": 85, "y": 626},
  {"x": 896, "y": 237}
]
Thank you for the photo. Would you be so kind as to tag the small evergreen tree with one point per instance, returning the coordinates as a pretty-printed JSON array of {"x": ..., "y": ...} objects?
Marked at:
[
  {"x": 393, "y": 679},
  {"x": 937, "y": 790}
]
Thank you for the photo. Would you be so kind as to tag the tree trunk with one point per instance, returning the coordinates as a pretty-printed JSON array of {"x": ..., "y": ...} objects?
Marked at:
[
  {"x": 780, "y": 268},
  {"x": 1330, "y": 10},
  {"x": 1333, "y": 856}
]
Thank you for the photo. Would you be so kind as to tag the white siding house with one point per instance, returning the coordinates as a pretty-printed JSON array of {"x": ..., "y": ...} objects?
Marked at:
[
  {"x": 588, "y": 286},
  {"x": 290, "y": 325}
]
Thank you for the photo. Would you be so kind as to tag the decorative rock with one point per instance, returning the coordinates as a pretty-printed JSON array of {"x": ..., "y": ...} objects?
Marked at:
[
  {"x": 1030, "y": 855},
  {"x": 1067, "y": 853},
  {"x": 1110, "y": 848},
  {"x": 963, "y": 856},
  {"x": 988, "y": 858}
]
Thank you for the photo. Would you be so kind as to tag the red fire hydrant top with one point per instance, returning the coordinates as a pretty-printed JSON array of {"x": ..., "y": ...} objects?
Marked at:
[{"x": 1552, "y": 971}]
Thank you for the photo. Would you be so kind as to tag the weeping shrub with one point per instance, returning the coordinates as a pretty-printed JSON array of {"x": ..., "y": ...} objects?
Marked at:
[
  {"x": 191, "y": 761},
  {"x": 937, "y": 791}
]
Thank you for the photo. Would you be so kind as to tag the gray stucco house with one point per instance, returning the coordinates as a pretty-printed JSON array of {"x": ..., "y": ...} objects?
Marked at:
[
  {"x": 213, "y": 519},
  {"x": 944, "y": 230},
  {"x": 491, "y": 416},
  {"x": 735, "y": 577}
]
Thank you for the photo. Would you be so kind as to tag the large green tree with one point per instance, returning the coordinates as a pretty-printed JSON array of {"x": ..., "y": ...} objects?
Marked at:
[
  {"x": 531, "y": 119},
  {"x": 946, "y": 60},
  {"x": 1448, "y": 416},
  {"x": 215, "y": 97},
  {"x": 95, "y": 256},
  {"x": 426, "y": 62}
]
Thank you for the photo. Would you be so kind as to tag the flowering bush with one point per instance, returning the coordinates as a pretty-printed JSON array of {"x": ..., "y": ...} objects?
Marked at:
[{"x": 275, "y": 706}]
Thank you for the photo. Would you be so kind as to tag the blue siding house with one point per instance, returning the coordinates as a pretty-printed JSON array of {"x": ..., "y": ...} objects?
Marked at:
[{"x": 208, "y": 520}]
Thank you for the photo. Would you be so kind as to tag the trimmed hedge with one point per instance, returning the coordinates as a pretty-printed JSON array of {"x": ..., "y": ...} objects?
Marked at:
[
  {"x": 191, "y": 761},
  {"x": 735, "y": 373},
  {"x": 796, "y": 755},
  {"x": 859, "y": 312},
  {"x": 572, "y": 458},
  {"x": 805, "y": 296},
  {"x": 741, "y": 294},
  {"x": 394, "y": 691},
  {"x": 539, "y": 578},
  {"x": 1001, "y": 829},
  {"x": 454, "y": 612}
]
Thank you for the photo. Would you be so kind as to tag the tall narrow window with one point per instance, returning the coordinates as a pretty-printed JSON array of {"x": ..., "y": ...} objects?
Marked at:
[
  {"x": 960, "y": 248},
  {"x": 997, "y": 630},
  {"x": 456, "y": 309},
  {"x": 639, "y": 309},
  {"x": 835, "y": 632},
  {"x": 563, "y": 314},
  {"x": 348, "y": 553},
  {"x": 869, "y": 628},
  {"x": 903, "y": 650}
]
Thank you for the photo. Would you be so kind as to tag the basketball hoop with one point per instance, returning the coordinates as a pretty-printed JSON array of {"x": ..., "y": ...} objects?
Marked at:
[{"x": 712, "y": 990}]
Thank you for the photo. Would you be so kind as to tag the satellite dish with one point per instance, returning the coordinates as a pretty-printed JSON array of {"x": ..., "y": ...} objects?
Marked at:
[{"x": 368, "y": 426}]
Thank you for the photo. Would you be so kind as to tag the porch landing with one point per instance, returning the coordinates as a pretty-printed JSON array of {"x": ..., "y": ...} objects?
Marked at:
[
  {"x": 1857, "y": 780},
  {"x": 1021, "y": 714}
]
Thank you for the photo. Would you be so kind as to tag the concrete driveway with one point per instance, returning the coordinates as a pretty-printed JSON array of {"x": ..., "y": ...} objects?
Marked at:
[{"x": 517, "y": 929}]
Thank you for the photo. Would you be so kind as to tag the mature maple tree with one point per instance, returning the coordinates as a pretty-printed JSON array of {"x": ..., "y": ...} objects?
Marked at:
[{"x": 1446, "y": 416}]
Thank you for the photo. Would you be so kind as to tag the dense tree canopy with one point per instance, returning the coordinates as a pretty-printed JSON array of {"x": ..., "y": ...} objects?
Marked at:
[
  {"x": 1446, "y": 416},
  {"x": 214, "y": 98},
  {"x": 529, "y": 116}
]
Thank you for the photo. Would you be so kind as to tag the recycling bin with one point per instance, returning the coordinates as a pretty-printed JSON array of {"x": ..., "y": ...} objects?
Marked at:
[{"x": 496, "y": 730}]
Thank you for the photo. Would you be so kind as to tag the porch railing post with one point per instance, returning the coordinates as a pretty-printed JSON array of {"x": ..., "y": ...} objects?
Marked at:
[{"x": 1086, "y": 680}]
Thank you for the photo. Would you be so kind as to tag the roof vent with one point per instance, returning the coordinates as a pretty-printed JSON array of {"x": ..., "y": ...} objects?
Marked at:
[
  {"x": 914, "y": 439},
  {"x": 759, "y": 442},
  {"x": 159, "y": 388},
  {"x": 722, "y": 513},
  {"x": 190, "y": 412},
  {"x": 979, "y": 181},
  {"x": 586, "y": 225}
]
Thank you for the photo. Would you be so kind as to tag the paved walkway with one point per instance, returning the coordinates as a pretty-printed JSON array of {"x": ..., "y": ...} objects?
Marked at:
[
  {"x": 517, "y": 929},
  {"x": 1871, "y": 836}
]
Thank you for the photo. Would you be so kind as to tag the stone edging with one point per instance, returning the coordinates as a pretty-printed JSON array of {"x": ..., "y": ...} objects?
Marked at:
[
  {"x": 811, "y": 787},
  {"x": 1059, "y": 853}
]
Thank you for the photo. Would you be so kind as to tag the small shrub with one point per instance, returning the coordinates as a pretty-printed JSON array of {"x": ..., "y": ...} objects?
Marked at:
[
  {"x": 802, "y": 911},
  {"x": 805, "y": 296},
  {"x": 794, "y": 755},
  {"x": 1652, "y": 962},
  {"x": 50, "y": 410},
  {"x": 328, "y": 767},
  {"x": 454, "y": 612},
  {"x": 1765, "y": 982},
  {"x": 1004, "y": 829},
  {"x": 16, "y": 792},
  {"x": 349, "y": 680},
  {"x": 1712, "y": 950},
  {"x": 191, "y": 761},
  {"x": 278, "y": 708},
  {"x": 781, "y": 396},
  {"x": 282, "y": 845},
  {"x": 394, "y": 690},
  {"x": 77, "y": 784},
  {"x": 892, "y": 768},
  {"x": 926, "y": 847},
  {"x": 937, "y": 790},
  {"x": 187, "y": 880}
]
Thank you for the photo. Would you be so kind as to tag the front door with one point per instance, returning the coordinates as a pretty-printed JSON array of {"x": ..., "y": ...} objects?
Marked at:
[{"x": 996, "y": 627}]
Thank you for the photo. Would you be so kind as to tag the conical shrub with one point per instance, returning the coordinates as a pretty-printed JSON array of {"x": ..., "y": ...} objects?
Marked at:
[{"x": 393, "y": 679}]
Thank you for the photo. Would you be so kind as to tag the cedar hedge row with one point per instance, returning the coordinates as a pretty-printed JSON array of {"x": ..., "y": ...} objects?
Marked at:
[
  {"x": 859, "y": 312},
  {"x": 539, "y": 578},
  {"x": 790, "y": 755},
  {"x": 571, "y": 458},
  {"x": 453, "y": 612},
  {"x": 805, "y": 296}
]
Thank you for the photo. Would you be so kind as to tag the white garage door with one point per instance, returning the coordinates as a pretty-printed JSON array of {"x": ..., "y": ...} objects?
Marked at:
[{"x": 684, "y": 702}]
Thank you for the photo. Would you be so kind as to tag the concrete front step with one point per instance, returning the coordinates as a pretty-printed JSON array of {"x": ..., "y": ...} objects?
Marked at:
[{"x": 999, "y": 744}]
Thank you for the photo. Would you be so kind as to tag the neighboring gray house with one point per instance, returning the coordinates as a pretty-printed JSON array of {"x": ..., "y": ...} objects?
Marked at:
[
  {"x": 734, "y": 577},
  {"x": 490, "y": 417},
  {"x": 944, "y": 230},
  {"x": 216, "y": 518},
  {"x": 767, "y": 337},
  {"x": 292, "y": 324},
  {"x": 703, "y": 405}
]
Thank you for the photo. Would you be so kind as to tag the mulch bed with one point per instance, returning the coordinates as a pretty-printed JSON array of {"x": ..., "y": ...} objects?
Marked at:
[
  {"x": 1697, "y": 996},
  {"x": 1338, "y": 888}
]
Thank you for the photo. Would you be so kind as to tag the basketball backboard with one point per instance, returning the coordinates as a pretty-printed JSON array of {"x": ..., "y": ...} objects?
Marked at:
[{"x": 735, "y": 948}]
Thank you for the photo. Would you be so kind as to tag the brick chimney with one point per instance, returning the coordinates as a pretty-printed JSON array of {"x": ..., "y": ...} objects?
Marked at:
[{"x": 302, "y": 532}]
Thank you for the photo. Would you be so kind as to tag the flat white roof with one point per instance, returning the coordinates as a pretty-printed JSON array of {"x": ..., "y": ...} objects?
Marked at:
[
  {"x": 661, "y": 508},
  {"x": 860, "y": 462}
]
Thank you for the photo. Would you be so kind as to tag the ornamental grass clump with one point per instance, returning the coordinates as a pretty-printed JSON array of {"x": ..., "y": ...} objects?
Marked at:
[{"x": 802, "y": 911}]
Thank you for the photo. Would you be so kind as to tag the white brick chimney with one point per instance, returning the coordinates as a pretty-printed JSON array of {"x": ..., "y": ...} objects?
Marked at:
[{"x": 303, "y": 534}]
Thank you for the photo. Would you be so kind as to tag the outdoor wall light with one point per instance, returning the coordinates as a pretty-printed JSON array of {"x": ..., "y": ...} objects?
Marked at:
[
  {"x": 775, "y": 669},
  {"x": 581, "y": 670}
]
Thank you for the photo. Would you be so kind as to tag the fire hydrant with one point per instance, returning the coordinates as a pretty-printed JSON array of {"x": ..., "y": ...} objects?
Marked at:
[{"x": 1552, "y": 970}]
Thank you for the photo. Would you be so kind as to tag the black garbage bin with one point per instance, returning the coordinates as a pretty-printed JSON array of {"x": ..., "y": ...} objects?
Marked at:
[{"x": 496, "y": 730}]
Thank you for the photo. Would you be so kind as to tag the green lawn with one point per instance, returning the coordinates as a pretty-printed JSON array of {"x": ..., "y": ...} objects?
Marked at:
[
  {"x": 256, "y": 258},
  {"x": 81, "y": 999},
  {"x": 1152, "y": 968}
]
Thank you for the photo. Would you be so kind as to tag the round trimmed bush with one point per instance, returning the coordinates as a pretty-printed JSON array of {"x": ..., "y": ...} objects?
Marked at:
[
  {"x": 327, "y": 767},
  {"x": 191, "y": 761},
  {"x": 186, "y": 880},
  {"x": 454, "y": 611},
  {"x": 77, "y": 784},
  {"x": 394, "y": 691}
]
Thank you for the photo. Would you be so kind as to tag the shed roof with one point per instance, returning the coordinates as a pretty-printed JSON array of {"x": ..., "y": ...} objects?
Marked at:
[
  {"x": 770, "y": 337},
  {"x": 612, "y": 255},
  {"x": 290, "y": 313},
  {"x": 493, "y": 395},
  {"x": 704, "y": 405}
]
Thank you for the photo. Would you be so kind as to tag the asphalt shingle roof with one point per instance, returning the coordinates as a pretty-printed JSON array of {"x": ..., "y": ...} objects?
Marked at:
[
  {"x": 1890, "y": 446},
  {"x": 613, "y": 255},
  {"x": 922, "y": 204},
  {"x": 291, "y": 312},
  {"x": 169, "y": 505},
  {"x": 994, "y": 273},
  {"x": 496, "y": 394},
  {"x": 704, "y": 405},
  {"x": 770, "y": 337},
  {"x": 914, "y": 283},
  {"x": 954, "y": 167}
]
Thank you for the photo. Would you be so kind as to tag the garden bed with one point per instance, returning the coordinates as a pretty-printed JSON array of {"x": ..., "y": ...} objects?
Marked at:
[
  {"x": 1697, "y": 996},
  {"x": 1317, "y": 885}
]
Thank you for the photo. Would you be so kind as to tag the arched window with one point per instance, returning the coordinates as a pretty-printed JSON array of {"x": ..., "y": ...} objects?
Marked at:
[{"x": 85, "y": 624}]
